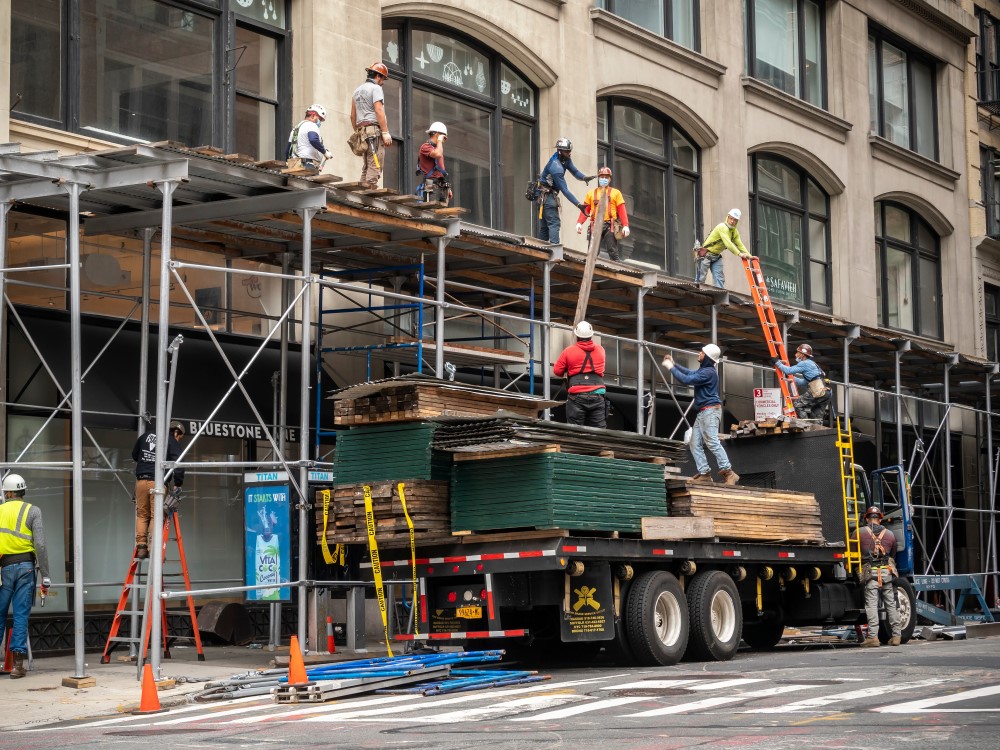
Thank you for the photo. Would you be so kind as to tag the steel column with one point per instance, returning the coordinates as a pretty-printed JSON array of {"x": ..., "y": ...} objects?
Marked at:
[
  {"x": 274, "y": 626},
  {"x": 949, "y": 500},
  {"x": 992, "y": 543},
  {"x": 640, "y": 363},
  {"x": 851, "y": 336},
  {"x": 155, "y": 585},
  {"x": 441, "y": 243},
  {"x": 547, "y": 335},
  {"x": 4, "y": 210},
  {"x": 305, "y": 383}
]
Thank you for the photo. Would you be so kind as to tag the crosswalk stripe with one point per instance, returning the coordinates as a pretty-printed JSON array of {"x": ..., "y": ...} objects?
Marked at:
[
  {"x": 825, "y": 700},
  {"x": 929, "y": 703},
  {"x": 720, "y": 700},
  {"x": 136, "y": 718},
  {"x": 290, "y": 712},
  {"x": 598, "y": 705},
  {"x": 656, "y": 684},
  {"x": 494, "y": 711}
]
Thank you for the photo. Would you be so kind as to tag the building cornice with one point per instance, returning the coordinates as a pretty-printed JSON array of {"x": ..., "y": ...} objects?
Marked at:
[
  {"x": 794, "y": 109},
  {"x": 946, "y": 15},
  {"x": 886, "y": 151},
  {"x": 634, "y": 38}
]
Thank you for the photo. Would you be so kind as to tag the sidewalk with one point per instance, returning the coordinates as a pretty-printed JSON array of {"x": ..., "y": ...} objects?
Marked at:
[{"x": 40, "y": 697}]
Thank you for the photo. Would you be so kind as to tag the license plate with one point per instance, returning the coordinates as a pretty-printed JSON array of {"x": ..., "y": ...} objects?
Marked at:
[{"x": 469, "y": 613}]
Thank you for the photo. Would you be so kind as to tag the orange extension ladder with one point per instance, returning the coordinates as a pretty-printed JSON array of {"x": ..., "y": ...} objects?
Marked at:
[
  {"x": 772, "y": 332},
  {"x": 138, "y": 579}
]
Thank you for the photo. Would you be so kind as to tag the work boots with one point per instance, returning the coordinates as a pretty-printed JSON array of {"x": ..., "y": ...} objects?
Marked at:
[
  {"x": 895, "y": 641},
  {"x": 728, "y": 476},
  {"x": 706, "y": 477},
  {"x": 18, "y": 671},
  {"x": 870, "y": 642},
  {"x": 141, "y": 552}
]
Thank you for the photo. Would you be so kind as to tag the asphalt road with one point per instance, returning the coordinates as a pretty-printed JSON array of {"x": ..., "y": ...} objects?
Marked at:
[{"x": 923, "y": 695}]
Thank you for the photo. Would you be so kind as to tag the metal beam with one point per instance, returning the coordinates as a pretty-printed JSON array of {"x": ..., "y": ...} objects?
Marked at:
[
  {"x": 849, "y": 338},
  {"x": 259, "y": 205},
  {"x": 52, "y": 177},
  {"x": 305, "y": 391},
  {"x": 901, "y": 348},
  {"x": 949, "y": 500}
]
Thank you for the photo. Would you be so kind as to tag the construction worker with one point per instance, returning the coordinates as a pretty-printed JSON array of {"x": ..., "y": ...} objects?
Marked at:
[
  {"x": 582, "y": 364},
  {"x": 551, "y": 182},
  {"x": 615, "y": 217},
  {"x": 304, "y": 142},
  {"x": 878, "y": 571},
  {"x": 144, "y": 455},
  {"x": 430, "y": 166},
  {"x": 22, "y": 545},
  {"x": 705, "y": 431},
  {"x": 371, "y": 130},
  {"x": 814, "y": 395},
  {"x": 709, "y": 256}
]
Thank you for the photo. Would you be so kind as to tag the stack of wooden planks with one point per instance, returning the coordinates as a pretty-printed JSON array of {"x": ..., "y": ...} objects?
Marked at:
[
  {"x": 772, "y": 426},
  {"x": 421, "y": 398},
  {"x": 749, "y": 514},
  {"x": 426, "y": 502},
  {"x": 541, "y": 488}
]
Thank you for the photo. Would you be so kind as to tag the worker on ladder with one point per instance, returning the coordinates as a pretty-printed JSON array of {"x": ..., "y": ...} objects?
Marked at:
[
  {"x": 708, "y": 257},
  {"x": 814, "y": 394},
  {"x": 615, "y": 225},
  {"x": 144, "y": 455}
]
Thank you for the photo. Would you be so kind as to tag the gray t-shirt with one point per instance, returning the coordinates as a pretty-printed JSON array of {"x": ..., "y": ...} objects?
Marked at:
[{"x": 365, "y": 97}]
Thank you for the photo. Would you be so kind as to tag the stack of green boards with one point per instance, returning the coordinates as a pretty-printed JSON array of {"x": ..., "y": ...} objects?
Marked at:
[
  {"x": 555, "y": 491},
  {"x": 394, "y": 451}
]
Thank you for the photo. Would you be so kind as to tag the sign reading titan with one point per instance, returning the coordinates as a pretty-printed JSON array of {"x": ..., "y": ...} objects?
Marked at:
[{"x": 237, "y": 430}]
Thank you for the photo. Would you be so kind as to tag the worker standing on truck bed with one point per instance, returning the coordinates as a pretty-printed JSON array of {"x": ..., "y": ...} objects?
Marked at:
[
  {"x": 814, "y": 395},
  {"x": 878, "y": 570},
  {"x": 705, "y": 434},
  {"x": 708, "y": 257},
  {"x": 583, "y": 365}
]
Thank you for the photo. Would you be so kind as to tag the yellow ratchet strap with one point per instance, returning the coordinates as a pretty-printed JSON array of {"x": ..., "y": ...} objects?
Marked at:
[
  {"x": 376, "y": 566},
  {"x": 413, "y": 556},
  {"x": 327, "y": 555}
]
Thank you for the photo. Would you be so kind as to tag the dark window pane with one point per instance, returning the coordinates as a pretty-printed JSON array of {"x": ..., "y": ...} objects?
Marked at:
[
  {"x": 897, "y": 223},
  {"x": 645, "y": 13},
  {"x": 682, "y": 22},
  {"x": 268, "y": 11},
  {"x": 925, "y": 238},
  {"x": 255, "y": 128},
  {"x": 685, "y": 154},
  {"x": 817, "y": 240},
  {"x": 450, "y": 61},
  {"x": 516, "y": 147},
  {"x": 639, "y": 130},
  {"x": 895, "y": 105},
  {"x": 685, "y": 225},
  {"x": 779, "y": 246},
  {"x": 515, "y": 92},
  {"x": 467, "y": 153},
  {"x": 930, "y": 319},
  {"x": 776, "y": 43},
  {"x": 923, "y": 109},
  {"x": 393, "y": 174},
  {"x": 817, "y": 283},
  {"x": 878, "y": 219},
  {"x": 645, "y": 200},
  {"x": 777, "y": 179},
  {"x": 392, "y": 54},
  {"x": 814, "y": 74},
  {"x": 899, "y": 289},
  {"x": 602, "y": 121},
  {"x": 257, "y": 69},
  {"x": 148, "y": 71},
  {"x": 817, "y": 199},
  {"x": 36, "y": 58},
  {"x": 873, "y": 90},
  {"x": 392, "y": 89}
]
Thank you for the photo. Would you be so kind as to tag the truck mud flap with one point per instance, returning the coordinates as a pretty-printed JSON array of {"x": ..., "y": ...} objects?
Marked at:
[{"x": 588, "y": 605}]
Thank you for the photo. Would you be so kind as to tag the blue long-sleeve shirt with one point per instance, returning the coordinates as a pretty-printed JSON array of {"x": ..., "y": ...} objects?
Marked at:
[
  {"x": 555, "y": 175},
  {"x": 803, "y": 372},
  {"x": 705, "y": 381}
]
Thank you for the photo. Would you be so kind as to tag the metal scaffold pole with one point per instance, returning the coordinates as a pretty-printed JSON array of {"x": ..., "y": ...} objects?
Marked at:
[
  {"x": 305, "y": 390},
  {"x": 992, "y": 492},
  {"x": 949, "y": 500},
  {"x": 442, "y": 243}
]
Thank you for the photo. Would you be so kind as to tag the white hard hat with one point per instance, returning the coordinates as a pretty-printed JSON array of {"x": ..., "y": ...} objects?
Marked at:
[
  {"x": 712, "y": 352},
  {"x": 584, "y": 330},
  {"x": 736, "y": 214},
  {"x": 319, "y": 109},
  {"x": 438, "y": 127},
  {"x": 13, "y": 483}
]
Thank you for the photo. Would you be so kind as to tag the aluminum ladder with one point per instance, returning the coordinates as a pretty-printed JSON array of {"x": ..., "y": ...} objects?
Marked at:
[{"x": 772, "y": 332}]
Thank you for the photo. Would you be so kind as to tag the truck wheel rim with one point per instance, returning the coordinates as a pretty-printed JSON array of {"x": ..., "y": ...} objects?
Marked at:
[
  {"x": 905, "y": 611},
  {"x": 667, "y": 616},
  {"x": 723, "y": 615}
]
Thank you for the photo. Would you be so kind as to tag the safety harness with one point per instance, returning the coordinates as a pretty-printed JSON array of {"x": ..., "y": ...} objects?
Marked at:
[
  {"x": 585, "y": 376},
  {"x": 880, "y": 560},
  {"x": 441, "y": 178}
]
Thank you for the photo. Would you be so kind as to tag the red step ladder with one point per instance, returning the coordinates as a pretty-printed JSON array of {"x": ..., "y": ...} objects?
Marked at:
[
  {"x": 772, "y": 332},
  {"x": 134, "y": 582}
]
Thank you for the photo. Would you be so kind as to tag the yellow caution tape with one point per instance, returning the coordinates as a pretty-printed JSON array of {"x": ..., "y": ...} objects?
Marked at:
[
  {"x": 376, "y": 565},
  {"x": 326, "y": 517},
  {"x": 413, "y": 556}
]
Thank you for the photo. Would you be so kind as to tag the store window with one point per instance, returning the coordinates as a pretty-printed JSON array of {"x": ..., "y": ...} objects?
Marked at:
[
  {"x": 657, "y": 168},
  {"x": 909, "y": 260},
  {"x": 786, "y": 46},
  {"x": 152, "y": 70},
  {"x": 902, "y": 95},
  {"x": 792, "y": 221},
  {"x": 991, "y": 295},
  {"x": 489, "y": 109},
  {"x": 676, "y": 20}
]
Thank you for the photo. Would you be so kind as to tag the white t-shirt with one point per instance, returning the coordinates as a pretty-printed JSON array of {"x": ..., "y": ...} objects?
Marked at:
[{"x": 303, "y": 148}]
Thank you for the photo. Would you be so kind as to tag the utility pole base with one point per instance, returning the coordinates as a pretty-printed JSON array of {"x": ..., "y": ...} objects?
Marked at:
[{"x": 79, "y": 683}]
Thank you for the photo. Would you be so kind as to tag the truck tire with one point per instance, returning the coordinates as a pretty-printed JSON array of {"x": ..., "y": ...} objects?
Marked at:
[
  {"x": 907, "y": 613},
  {"x": 716, "y": 617},
  {"x": 656, "y": 619},
  {"x": 764, "y": 634}
]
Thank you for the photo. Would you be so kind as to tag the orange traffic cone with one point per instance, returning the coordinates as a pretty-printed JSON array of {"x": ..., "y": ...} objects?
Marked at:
[
  {"x": 149, "y": 703},
  {"x": 296, "y": 667}
]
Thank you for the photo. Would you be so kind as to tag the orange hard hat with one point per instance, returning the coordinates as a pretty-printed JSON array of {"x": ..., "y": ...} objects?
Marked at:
[
  {"x": 604, "y": 172},
  {"x": 377, "y": 67}
]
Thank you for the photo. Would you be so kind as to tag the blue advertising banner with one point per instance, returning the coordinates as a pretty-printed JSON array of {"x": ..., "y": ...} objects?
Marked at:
[{"x": 268, "y": 543}]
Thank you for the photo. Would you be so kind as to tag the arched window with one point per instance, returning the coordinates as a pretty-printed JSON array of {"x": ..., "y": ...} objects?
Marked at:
[
  {"x": 489, "y": 108},
  {"x": 657, "y": 168},
  {"x": 791, "y": 217},
  {"x": 909, "y": 280}
]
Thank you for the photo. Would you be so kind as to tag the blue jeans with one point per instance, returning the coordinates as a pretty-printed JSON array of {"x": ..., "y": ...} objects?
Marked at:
[
  {"x": 714, "y": 264},
  {"x": 18, "y": 588},
  {"x": 706, "y": 435},
  {"x": 551, "y": 223}
]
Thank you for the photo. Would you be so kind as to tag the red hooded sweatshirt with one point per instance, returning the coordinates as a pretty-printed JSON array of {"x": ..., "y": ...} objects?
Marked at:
[{"x": 571, "y": 362}]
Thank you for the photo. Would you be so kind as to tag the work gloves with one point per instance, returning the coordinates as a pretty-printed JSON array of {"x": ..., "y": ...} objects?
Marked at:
[
  {"x": 386, "y": 139},
  {"x": 583, "y": 208},
  {"x": 579, "y": 228},
  {"x": 46, "y": 582},
  {"x": 668, "y": 362},
  {"x": 588, "y": 178},
  {"x": 328, "y": 154},
  {"x": 626, "y": 231}
]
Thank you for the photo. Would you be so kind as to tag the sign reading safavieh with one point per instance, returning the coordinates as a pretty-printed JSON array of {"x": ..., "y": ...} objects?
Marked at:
[
  {"x": 268, "y": 546},
  {"x": 766, "y": 403}
]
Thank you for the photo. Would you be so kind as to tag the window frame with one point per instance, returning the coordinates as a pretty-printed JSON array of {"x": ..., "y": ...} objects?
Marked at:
[
  {"x": 990, "y": 187},
  {"x": 668, "y": 21},
  {"x": 800, "y": 38},
  {"x": 987, "y": 79},
  {"x": 224, "y": 91},
  {"x": 411, "y": 79},
  {"x": 915, "y": 254},
  {"x": 606, "y": 153},
  {"x": 881, "y": 36},
  {"x": 806, "y": 214},
  {"x": 992, "y": 321}
]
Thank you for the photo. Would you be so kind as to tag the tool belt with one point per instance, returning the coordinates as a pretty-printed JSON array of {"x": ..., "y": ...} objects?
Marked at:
[
  {"x": 19, "y": 557},
  {"x": 817, "y": 387},
  {"x": 883, "y": 571},
  {"x": 360, "y": 140}
]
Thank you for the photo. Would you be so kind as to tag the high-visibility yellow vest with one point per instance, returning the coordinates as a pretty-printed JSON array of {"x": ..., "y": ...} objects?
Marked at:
[{"x": 15, "y": 536}]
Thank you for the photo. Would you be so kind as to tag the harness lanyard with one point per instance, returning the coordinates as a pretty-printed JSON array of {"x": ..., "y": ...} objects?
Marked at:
[{"x": 376, "y": 566}]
